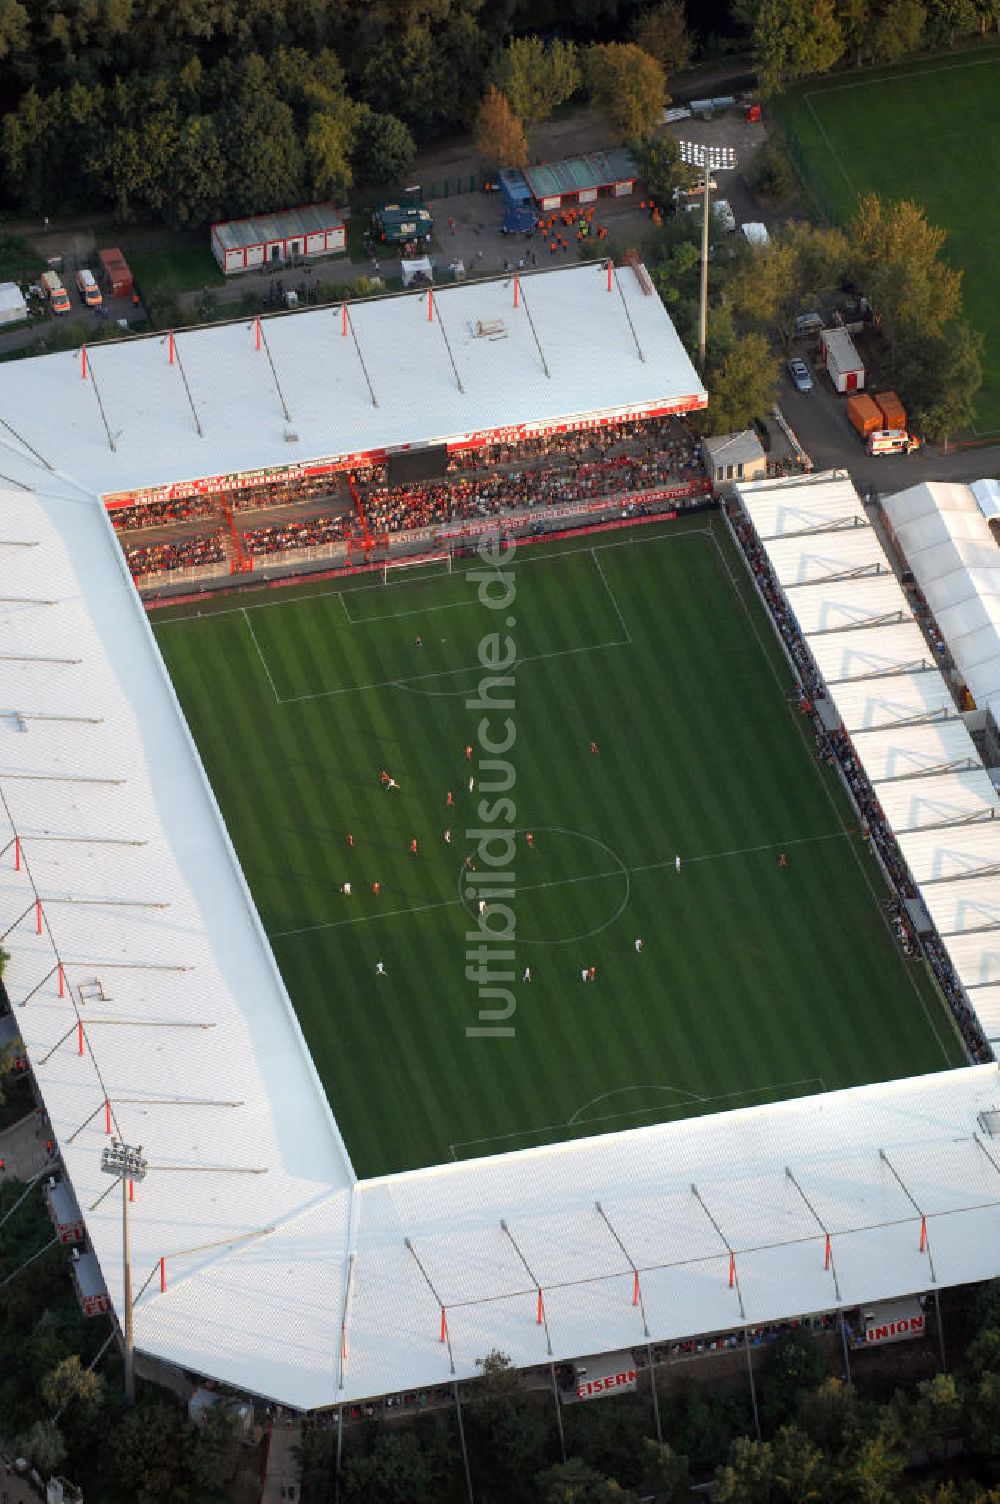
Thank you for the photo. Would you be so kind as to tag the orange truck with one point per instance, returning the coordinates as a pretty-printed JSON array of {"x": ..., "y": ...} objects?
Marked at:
[
  {"x": 865, "y": 414},
  {"x": 55, "y": 292}
]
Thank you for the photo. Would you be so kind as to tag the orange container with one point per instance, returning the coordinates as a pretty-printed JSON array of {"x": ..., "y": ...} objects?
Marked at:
[
  {"x": 865, "y": 415},
  {"x": 892, "y": 410}
]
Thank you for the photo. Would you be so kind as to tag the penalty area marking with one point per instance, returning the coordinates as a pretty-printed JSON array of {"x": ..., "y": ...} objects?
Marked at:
[{"x": 780, "y": 1089}]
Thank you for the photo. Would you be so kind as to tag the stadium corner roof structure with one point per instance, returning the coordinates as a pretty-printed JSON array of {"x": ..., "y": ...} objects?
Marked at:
[
  {"x": 463, "y": 363},
  {"x": 151, "y": 1007}
]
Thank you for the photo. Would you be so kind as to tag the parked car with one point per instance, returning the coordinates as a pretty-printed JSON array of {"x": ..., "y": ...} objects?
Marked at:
[{"x": 799, "y": 373}]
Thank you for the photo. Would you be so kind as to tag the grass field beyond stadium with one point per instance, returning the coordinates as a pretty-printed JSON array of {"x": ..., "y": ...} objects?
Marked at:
[
  {"x": 756, "y": 981},
  {"x": 928, "y": 131}
]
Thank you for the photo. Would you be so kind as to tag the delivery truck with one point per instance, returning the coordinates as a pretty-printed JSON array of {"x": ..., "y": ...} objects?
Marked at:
[
  {"x": 55, "y": 292},
  {"x": 115, "y": 274}
]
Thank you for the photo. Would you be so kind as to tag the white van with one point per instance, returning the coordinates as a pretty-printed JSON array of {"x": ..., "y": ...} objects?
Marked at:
[{"x": 892, "y": 441}]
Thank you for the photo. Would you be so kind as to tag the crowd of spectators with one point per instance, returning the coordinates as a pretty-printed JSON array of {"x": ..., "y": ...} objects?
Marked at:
[
  {"x": 161, "y": 513},
  {"x": 399, "y": 509},
  {"x": 312, "y": 533},
  {"x": 837, "y": 749},
  {"x": 665, "y": 436},
  {"x": 184, "y": 553}
]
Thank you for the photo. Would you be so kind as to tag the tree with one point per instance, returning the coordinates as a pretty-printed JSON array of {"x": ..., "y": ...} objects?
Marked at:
[
  {"x": 822, "y": 258},
  {"x": 761, "y": 286},
  {"x": 69, "y": 1383},
  {"x": 499, "y": 134},
  {"x": 941, "y": 380},
  {"x": 199, "y": 173},
  {"x": 627, "y": 86},
  {"x": 146, "y": 1452},
  {"x": 947, "y": 19},
  {"x": 329, "y": 147},
  {"x": 661, "y": 30},
  {"x": 573, "y": 1482},
  {"x": 900, "y": 265},
  {"x": 667, "y": 1474},
  {"x": 795, "y": 1364},
  {"x": 44, "y": 1444},
  {"x": 265, "y": 160},
  {"x": 659, "y": 165},
  {"x": 213, "y": 1453},
  {"x": 795, "y": 39},
  {"x": 394, "y": 1472},
  {"x": 899, "y": 30},
  {"x": 385, "y": 149},
  {"x": 830, "y": 1416},
  {"x": 536, "y": 77},
  {"x": 743, "y": 385},
  {"x": 15, "y": 33},
  {"x": 790, "y": 1470},
  {"x": 855, "y": 23}
]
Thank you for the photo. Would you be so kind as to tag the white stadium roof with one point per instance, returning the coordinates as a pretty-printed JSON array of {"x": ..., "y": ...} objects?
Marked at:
[
  {"x": 568, "y": 349},
  {"x": 141, "y": 977},
  {"x": 906, "y": 730},
  {"x": 783, "y": 513}
]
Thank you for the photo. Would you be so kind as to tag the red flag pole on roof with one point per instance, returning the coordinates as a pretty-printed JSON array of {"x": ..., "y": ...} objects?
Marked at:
[
  {"x": 38, "y": 916},
  {"x": 343, "y": 318},
  {"x": 444, "y": 1325},
  {"x": 826, "y": 1259},
  {"x": 732, "y": 1270},
  {"x": 83, "y": 361},
  {"x": 79, "y": 1037},
  {"x": 923, "y": 1234},
  {"x": 163, "y": 1276},
  {"x": 257, "y": 331},
  {"x": 635, "y": 1287},
  {"x": 611, "y": 267},
  {"x": 131, "y": 1190},
  {"x": 540, "y": 1316},
  {"x": 62, "y": 984},
  {"x": 517, "y": 290},
  {"x": 170, "y": 347},
  {"x": 107, "y": 1115}
]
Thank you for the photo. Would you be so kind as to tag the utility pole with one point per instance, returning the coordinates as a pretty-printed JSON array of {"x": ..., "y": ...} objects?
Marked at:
[
  {"x": 709, "y": 159},
  {"x": 127, "y": 1164}
]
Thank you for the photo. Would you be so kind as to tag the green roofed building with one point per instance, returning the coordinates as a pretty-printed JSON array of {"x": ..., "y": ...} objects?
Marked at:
[
  {"x": 395, "y": 224},
  {"x": 579, "y": 180}
]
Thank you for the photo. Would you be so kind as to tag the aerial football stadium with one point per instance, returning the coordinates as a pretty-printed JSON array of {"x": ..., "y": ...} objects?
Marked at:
[{"x": 504, "y": 899}]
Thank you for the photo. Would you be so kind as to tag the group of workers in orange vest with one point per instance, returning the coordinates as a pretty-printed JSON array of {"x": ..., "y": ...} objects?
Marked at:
[{"x": 580, "y": 219}]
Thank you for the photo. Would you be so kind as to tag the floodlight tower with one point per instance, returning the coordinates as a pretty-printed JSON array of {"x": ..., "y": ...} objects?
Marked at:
[
  {"x": 126, "y": 1164},
  {"x": 709, "y": 159}
]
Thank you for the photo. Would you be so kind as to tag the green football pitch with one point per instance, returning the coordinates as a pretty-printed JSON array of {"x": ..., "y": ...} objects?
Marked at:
[
  {"x": 756, "y": 981},
  {"x": 928, "y": 131}
]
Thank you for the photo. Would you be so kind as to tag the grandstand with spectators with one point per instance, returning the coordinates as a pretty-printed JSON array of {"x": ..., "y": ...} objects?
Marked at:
[{"x": 141, "y": 979}]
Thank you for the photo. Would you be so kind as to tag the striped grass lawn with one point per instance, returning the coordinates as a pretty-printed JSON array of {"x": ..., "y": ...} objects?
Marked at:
[
  {"x": 927, "y": 130},
  {"x": 756, "y": 981}
]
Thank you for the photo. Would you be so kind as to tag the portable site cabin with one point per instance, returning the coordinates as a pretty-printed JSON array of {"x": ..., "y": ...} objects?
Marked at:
[
  {"x": 843, "y": 362},
  {"x": 399, "y": 224},
  {"x": 272, "y": 240}
]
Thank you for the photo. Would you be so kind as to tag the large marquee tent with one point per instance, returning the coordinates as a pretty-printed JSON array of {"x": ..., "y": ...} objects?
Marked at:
[{"x": 897, "y": 707}]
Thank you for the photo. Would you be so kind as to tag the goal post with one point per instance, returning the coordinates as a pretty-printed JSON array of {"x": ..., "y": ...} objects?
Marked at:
[{"x": 418, "y": 567}]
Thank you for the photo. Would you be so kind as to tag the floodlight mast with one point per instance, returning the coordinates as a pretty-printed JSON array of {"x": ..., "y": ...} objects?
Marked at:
[
  {"x": 710, "y": 159},
  {"x": 127, "y": 1164}
]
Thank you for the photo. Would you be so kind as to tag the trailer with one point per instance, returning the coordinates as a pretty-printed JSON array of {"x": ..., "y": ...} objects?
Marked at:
[
  {"x": 892, "y": 410},
  {"x": 864, "y": 415},
  {"x": 843, "y": 363}
]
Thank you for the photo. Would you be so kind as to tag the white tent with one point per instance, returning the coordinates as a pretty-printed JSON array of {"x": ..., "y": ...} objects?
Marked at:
[
  {"x": 948, "y": 544},
  {"x": 864, "y": 653},
  {"x": 944, "y": 799}
]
